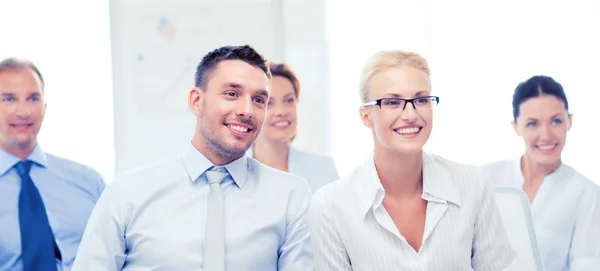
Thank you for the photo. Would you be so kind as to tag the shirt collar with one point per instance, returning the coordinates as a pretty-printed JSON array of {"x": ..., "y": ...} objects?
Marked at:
[
  {"x": 517, "y": 173},
  {"x": 560, "y": 173},
  {"x": 437, "y": 182},
  {"x": 370, "y": 189},
  {"x": 250, "y": 151},
  {"x": 8, "y": 160},
  {"x": 196, "y": 164},
  {"x": 437, "y": 185}
]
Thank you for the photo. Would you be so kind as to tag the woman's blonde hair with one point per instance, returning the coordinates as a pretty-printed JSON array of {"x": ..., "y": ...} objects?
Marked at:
[{"x": 389, "y": 59}]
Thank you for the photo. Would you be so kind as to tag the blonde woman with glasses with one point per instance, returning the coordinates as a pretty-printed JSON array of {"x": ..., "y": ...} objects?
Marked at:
[{"x": 404, "y": 209}]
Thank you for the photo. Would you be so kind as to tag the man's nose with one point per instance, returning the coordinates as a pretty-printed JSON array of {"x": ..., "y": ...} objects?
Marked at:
[
  {"x": 245, "y": 107},
  {"x": 23, "y": 110}
]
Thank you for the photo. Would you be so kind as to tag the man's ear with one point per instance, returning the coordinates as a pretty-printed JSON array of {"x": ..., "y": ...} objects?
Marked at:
[
  {"x": 195, "y": 100},
  {"x": 364, "y": 116}
]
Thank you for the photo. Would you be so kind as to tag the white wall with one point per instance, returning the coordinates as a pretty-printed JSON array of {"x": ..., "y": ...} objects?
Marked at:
[
  {"x": 356, "y": 30},
  {"x": 306, "y": 50},
  {"x": 478, "y": 52},
  {"x": 153, "y": 71},
  {"x": 72, "y": 51}
]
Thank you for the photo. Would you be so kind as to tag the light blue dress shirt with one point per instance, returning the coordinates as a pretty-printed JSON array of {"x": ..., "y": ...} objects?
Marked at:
[
  {"x": 69, "y": 191},
  {"x": 565, "y": 212},
  {"x": 154, "y": 219},
  {"x": 317, "y": 170}
]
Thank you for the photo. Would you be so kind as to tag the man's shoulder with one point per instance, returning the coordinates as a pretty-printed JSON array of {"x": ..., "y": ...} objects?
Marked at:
[
  {"x": 168, "y": 168},
  {"x": 70, "y": 167}
]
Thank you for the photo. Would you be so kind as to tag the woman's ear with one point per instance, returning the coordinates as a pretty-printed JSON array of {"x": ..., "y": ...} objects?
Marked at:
[
  {"x": 515, "y": 127},
  {"x": 365, "y": 117}
]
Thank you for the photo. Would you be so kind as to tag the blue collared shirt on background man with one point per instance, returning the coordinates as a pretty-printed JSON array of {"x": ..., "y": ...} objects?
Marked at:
[
  {"x": 154, "y": 219},
  {"x": 69, "y": 191}
]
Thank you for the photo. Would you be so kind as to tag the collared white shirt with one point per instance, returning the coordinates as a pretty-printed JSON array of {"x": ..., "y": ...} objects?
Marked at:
[
  {"x": 351, "y": 229},
  {"x": 154, "y": 219},
  {"x": 317, "y": 170},
  {"x": 566, "y": 215}
]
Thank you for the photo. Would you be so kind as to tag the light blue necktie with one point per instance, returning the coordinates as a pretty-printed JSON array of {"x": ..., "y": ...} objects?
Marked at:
[{"x": 214, "y": 236}]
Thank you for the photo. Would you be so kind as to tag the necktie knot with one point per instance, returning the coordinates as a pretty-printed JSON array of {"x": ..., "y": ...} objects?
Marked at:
[
  {"x": 23, "y": 168},
  {"x": 216, "y": 175}
]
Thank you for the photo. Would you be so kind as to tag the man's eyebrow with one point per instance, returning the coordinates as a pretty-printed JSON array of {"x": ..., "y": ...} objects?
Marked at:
[
  {"x": 232, "y": 85},
  {"x": 262, "y": 92}
]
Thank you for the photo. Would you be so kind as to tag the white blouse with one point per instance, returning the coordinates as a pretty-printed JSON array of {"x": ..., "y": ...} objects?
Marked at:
[
  {"x": 351, "y": 229},
  {"x": 566, "y": 215}
]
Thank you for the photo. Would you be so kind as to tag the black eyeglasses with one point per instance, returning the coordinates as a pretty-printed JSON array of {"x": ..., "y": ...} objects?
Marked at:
[{"x": 427, "y": 102}]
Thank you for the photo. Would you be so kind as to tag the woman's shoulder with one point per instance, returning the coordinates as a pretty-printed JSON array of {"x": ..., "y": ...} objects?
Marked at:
[
  {"x": 450, "y": 167},
  {"x": 577, "y": 177},
  {"x": 310, "y": 158},
  {"x": 466, "y": 178},
  {"x": 317, "y": 169},
  {"x": 307, "y": 154},
  {"x": 498, "y": 165}
]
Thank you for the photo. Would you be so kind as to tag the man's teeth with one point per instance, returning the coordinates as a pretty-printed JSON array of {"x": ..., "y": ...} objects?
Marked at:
[
  {"x": 546, "y": 147},
  {"x": 408, "y": 131},
  {"x": 281, "y": 123},
  {"x": 238, "y": 128}
]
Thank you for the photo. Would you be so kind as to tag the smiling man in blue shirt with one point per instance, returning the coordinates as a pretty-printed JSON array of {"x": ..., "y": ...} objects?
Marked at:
[
  {"x": 213, "y": 208},
  {"x": 45, "y": 201}
]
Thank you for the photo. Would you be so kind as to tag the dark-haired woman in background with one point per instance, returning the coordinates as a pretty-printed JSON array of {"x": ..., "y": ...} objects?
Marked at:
[
  {"x": 272, "y": 147},
  {"x": 565, "y": 205}
]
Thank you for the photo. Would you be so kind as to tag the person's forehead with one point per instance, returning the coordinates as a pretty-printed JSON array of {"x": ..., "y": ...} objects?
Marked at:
[
  {"x": 281, "y": 88},
  {"x": 240, "y": 73},
  {"x": 544, "y": 102},
  {"x": 541, "y": 108},
  {"x": 20, "y": 78},
  {"x": 404, "y": 81}
]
